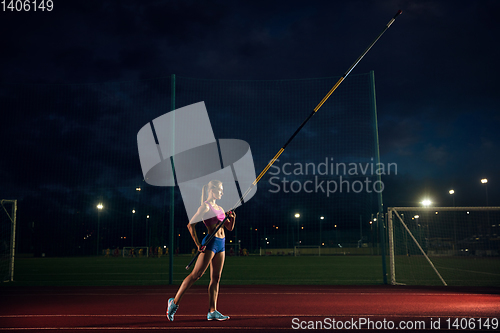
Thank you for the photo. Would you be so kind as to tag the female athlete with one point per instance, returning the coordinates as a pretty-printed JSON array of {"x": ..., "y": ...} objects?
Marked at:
[{"x": 212, "y": 254}]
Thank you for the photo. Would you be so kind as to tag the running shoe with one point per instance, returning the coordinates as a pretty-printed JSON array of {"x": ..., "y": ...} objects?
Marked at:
[
  {"x": 171, "y": 308},
  {"x": 216, "y": 315}
]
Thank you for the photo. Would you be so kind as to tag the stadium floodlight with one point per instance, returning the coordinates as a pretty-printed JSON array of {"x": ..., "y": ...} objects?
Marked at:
[
  {"x": 297, "y": 215},
  {"x": 426, "y": 202},
  {"x": 320, "y": 241},
  {"x": 99, "y": 207},
  {"x": 147, "y": 231},
  {"x": 132, "y": 238},
  {"x": 485, "y": 182}
]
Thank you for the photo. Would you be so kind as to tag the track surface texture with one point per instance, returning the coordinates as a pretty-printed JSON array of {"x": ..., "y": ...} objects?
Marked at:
[{"x": 251, "y": 308}]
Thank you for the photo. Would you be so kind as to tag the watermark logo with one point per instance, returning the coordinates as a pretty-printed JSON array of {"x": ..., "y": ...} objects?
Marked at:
[
  {"x": 330, "y": 177},
  {"x": 179, "y": 148}
]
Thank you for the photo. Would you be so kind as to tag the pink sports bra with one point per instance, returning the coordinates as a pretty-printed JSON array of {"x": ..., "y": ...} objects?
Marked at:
[{"x": 216, "y": 219}]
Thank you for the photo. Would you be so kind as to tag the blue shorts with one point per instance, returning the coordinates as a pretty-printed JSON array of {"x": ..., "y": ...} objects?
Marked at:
[{"x": 216, "y": 245}]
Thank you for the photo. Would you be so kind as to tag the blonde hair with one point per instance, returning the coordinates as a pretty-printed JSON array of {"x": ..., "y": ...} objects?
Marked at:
[{"x": 204, "y": 192}]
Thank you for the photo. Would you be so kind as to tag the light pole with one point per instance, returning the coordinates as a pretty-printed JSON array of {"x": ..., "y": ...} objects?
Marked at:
[
  {"x": 99, "y": 208},
  {"x": 452, "y": 192},
  {"x": 257, "y": 239},
  {"x": 132, "y": 237},
  {"x": 485, "y": 182},
  {"x": 419, "y": 233},
  {"x": 301, "y": 228},
  {"x": 371, "y": 234},
  {"x": 297, "y": 216},
  {"x": 147, "y": 233},
  {"x": 276, "y": 234},
  {"x": 336, "y": 236},
  {"x": 138, "y": 191},
  {"x": 426, "y": 203},
  {"x": 320, "y": 219}
]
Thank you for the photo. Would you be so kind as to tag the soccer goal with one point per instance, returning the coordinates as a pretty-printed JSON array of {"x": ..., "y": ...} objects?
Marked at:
[
  {"x": 136, "y": 251},
  {"x": 457, "y": 246},
  {"x": 305, "y": 250},
  {"x": 7, "y": 239}
]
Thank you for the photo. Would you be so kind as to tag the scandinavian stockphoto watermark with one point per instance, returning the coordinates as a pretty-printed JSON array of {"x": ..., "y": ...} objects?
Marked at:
[{"x": 330, "y": 177}]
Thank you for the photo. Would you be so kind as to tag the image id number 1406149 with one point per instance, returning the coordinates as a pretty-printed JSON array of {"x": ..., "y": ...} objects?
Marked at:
[{"x": 27, "y": 5}]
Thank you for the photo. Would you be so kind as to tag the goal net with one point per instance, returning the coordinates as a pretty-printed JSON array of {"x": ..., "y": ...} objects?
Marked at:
[
  {"x": 457, "y": 246},
  {"x": 8, "y": 211}
]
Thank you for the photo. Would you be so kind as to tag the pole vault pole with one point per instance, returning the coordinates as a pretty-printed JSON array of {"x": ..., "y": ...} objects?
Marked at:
[{"x": 212, "y": 235}]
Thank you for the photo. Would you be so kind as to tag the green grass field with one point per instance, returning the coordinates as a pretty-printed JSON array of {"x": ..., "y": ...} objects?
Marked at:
[
  {"x": 289, "y": 270},
  {"x": 101, "y": 271},
  {"x": 456, "y": 271}
]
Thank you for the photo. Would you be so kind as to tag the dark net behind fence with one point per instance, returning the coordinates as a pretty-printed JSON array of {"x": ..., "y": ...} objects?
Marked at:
[{"x": 73, "y": 146}]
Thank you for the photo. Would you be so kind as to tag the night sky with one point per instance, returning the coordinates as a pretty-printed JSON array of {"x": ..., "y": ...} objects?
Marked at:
[{"x": 436, "y": 73}]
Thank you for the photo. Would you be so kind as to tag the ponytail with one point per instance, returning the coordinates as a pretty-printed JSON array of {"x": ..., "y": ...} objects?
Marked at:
[{"x": 203, "y": 192}]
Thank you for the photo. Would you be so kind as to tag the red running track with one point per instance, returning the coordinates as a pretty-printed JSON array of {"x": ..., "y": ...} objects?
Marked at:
[{"x": 251, "y": 308}]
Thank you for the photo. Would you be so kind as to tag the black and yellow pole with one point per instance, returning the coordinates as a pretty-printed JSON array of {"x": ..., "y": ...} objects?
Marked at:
[{"x": 212, "y": 235}]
